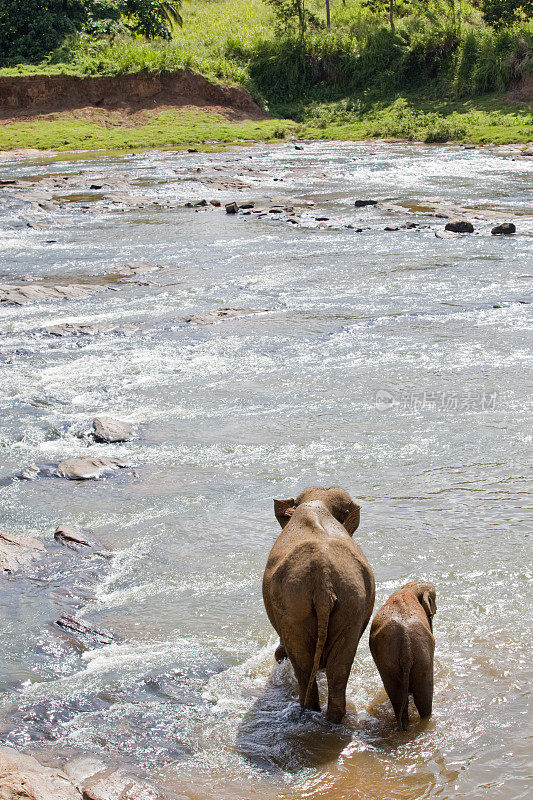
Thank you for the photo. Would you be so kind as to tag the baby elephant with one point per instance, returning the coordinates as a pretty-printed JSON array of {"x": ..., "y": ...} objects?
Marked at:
[{"x": 402, "y": 645}]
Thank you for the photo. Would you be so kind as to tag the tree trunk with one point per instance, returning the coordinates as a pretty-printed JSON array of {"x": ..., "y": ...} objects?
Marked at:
[
  {"x": 328, "y": 20},
  {"x": 391, "y": 15}
]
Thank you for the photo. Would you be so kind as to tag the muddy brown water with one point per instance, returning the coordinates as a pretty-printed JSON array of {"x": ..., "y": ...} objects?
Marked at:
[{"x": 392, "y": 363}]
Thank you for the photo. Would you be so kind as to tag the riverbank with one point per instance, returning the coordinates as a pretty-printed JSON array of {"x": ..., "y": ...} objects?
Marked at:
[{"x": 210, "y": 117}]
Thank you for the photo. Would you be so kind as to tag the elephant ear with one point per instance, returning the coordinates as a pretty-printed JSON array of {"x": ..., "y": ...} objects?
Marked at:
[
  {"x": 429, "y": 605},
  {"x": 351, "y": 521},
  {"x": 284, "y": 509}
]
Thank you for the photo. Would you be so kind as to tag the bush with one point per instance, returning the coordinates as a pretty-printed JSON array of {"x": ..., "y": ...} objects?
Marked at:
[
  {"x": 29, "y": 30},
  {"x": 445, "y": 129}
]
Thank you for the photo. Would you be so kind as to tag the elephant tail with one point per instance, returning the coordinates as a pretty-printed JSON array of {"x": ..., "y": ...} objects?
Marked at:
[{"x": 323, "y": 602}]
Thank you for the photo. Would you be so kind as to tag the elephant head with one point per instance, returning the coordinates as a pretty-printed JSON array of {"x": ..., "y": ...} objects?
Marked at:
[
  {"x": 337, "y": 501},
  {"x": 427, "y": 597}
]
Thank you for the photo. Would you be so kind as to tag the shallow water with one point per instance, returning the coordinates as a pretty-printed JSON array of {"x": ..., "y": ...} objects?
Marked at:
[{"x": 392, "y": 363}]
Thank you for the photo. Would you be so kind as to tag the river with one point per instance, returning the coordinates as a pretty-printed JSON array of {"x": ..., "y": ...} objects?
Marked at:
[{"x": 393, "y": 363}]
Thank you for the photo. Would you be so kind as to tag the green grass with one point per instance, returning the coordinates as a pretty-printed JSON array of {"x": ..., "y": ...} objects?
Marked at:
[
  {"x": 179, "y": 127},
  {"x": 479, "y": 123}
]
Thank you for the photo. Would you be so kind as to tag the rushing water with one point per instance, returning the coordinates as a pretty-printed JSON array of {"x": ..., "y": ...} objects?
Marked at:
[{"x": 391, "y": 363}]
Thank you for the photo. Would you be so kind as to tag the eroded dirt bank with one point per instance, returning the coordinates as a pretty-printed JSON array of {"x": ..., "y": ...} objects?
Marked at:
[{"x": 24, "y": 97}]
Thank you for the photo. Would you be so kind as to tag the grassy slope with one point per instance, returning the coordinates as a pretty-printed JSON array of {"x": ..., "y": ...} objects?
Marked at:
[
  {"x": 212, "y": 27},
  {"x": 175, "y": 128}
]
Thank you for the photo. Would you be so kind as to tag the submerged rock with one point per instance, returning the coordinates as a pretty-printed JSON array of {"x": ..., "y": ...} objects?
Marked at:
[
  {"x": 87, "y": 329},
  {"x": 22, "y": 777},
  {"x": 459, "y": 226},
  {"x": 447, "y": 235},
  {"x": 15, "y": 554},
  {"x": 505, "y": 229},
  {"x": 34, "y": 293},
  {"x": 81, "y": 631},
  {"x": 363, "y": 203},
  {"x": 117, "y": 785},
  {"x": 83, "y": 469},
  {"x": 107, "y": 429},
  {"x": 210, "y": 317},
  {"x": 74, "y": 537}
]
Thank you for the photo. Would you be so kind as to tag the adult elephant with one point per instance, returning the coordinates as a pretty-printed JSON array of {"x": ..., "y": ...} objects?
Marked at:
[{"x": 319, "y": 591}]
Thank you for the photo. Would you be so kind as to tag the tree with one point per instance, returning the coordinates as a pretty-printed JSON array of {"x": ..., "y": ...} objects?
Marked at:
[
  {"x": 153, "y": 18},
  {"x": 31, "y": 29},
  {"x": 504, "y": 13},
  {"x": 291, "y": 14}
]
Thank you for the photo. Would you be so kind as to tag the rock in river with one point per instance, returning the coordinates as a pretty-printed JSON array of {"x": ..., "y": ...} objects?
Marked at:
[
  {"x": 459, "y": 226},
  {"x": 18, "y": 553},
  {"x": 211, "y": 317},
  {"x": 83, "y": 469},
  {"x": 74, "y": 537},
  {"x": 107, "y": 429},
  {"x": 23, "y": 778},
  {"x": 363, "y": 203},
  {"x": 504, "y": 229},
  {"x": 81, "y": 631},
  {"x": 19, "y": 295},
  {"x": 117, "y": 785}
]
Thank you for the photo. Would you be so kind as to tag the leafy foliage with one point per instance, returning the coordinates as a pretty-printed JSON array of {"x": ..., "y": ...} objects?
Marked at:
[
  {"x": 502, "y": 13},
  {"x": 293, "y": 16},
  {"x": 31, "y": 29}
]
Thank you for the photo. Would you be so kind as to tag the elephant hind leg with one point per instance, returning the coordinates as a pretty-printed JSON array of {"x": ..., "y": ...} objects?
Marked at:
[
  {"x": 423, "y": 694},
  {"x": 300, "y": 651},
  {"x": 302, "y": 676},
  {"x": 338, "y": 667},
  {"x": 397, "y": 689}
]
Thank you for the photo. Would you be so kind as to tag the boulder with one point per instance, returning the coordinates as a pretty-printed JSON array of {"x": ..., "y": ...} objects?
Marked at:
[
  {"x": 215, "y": 203},
  {"x": 83, "y": 632},
  {"x": 504, "y": 229},
  {"x": 23, "y": 778},
  {"x": 87, "y": 329},
  {"x": 83, "y": 469},
  {"x": 250, "y": 204},
  {"x": 18, "y": 553},
  {"x": 35, "y": 293},
  {"x": 117, "y": 785},
  {"x": 363, "y": 203},
  {"x": 276, "y": 210},
  {"x": 210, "y": 317},
  {"x": 459, "y": 226},
  {"x": 74, "y": 537},
  {"x": 231, "y": 208},
  {"x": 447, "y": 235},
  {"x": 79, "y": 770},
  {"x": 107, "y": 429}
]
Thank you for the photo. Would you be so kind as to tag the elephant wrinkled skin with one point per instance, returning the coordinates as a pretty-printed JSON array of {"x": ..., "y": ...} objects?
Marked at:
[
  {"x": 319, "y": 591},
  {"x": 402, "y": 645}
]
